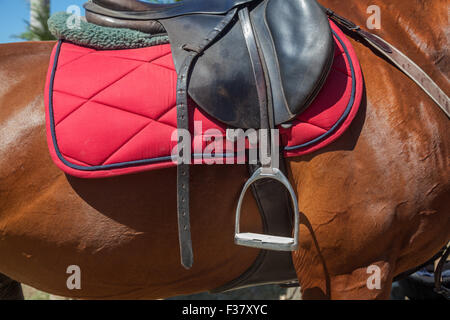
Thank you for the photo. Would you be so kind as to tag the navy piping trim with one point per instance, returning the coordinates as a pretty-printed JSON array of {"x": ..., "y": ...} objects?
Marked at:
[{"x": 169, "y": 158}]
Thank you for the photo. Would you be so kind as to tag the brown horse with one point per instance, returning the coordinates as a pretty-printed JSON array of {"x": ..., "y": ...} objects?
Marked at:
[{"x": 378, "y": 196}]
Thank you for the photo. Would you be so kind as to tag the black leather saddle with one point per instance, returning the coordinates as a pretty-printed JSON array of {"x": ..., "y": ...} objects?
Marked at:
[{"x": 248, "y": 63}]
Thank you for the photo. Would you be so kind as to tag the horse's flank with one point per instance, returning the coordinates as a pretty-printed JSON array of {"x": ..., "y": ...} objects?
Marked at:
[{"x": 378, "y": 196}]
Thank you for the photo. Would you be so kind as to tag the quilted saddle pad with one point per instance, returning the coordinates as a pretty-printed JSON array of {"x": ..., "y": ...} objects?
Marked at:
[{"x": 112, "y": 112}]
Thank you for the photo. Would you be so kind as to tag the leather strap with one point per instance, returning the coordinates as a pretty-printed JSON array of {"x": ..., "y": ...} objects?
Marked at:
[
  {"x": 194, "y": 49},
  {"x": 275, "y": 209},
  {"x": 405, "y": 64},
  {"x": 439, "y": 287}
]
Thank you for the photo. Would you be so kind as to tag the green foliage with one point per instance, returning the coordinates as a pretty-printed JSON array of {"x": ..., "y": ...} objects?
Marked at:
[{"x": 42, "y": 32}]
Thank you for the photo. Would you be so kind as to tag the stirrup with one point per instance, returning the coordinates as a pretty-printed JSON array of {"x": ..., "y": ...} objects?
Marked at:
[{"x": 263, "y": 241}]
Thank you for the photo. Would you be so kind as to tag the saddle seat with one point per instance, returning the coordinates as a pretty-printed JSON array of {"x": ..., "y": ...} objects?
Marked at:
[{"x": 148, "y": 10}]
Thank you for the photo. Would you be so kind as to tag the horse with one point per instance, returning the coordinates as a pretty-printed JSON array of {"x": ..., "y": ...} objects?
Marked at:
[{"x": 376, "y": 199}]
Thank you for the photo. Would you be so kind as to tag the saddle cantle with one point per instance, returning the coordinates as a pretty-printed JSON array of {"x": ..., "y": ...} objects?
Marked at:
[{"x": 249, "y": 64}]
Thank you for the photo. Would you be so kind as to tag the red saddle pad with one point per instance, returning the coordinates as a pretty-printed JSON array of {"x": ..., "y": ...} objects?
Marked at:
[{"x": 113, "y": 112}]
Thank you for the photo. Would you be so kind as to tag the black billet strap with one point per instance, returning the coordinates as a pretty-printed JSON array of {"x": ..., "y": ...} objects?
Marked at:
[
  {"x": 194, "y": 49},
  {"x": 258, "y": 66},
  {"x": 184, "y": 227}
]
